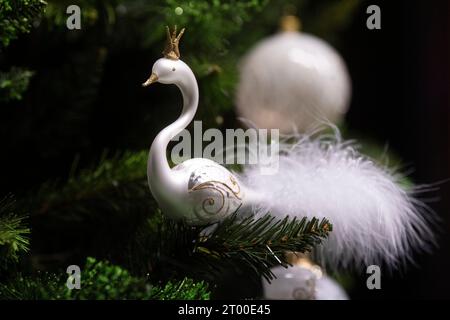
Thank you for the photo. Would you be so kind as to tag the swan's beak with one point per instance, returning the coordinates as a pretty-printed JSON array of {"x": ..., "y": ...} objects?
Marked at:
[{"x": 153, "y": 78}]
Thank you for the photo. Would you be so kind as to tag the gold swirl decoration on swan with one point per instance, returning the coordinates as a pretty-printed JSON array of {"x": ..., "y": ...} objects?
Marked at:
[{"x": 226, "y": 196}]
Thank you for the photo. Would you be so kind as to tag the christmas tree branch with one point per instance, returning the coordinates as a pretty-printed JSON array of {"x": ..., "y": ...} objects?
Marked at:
[
  {"x": 14, "y": 83},
  {"x": 261, "y": 243},
  {"x": 255, "y": 244},
  {"x": 97, "y": 210},
  {"x": 99, "y": 280},
  {"x": 13, "y": 233},
  {"x": 122, "y": 171},
  {"x": 17, "y": 16}
]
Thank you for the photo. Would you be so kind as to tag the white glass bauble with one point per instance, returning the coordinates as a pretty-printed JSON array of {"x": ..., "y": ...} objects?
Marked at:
[
  {"x": 293, "y": 81},
  {"x": 302, "y": 283},
  {"x": 294, "y": 283},
  {"x": 328, "y": 289}
]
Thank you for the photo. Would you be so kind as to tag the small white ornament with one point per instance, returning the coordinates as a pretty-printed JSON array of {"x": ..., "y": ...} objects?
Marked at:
[
  {"x": 302, "y": 282},
  {"x": 294, "y": 283},
  {"x": 328, "y": 289},
  {"x": 293, "y": 81}
]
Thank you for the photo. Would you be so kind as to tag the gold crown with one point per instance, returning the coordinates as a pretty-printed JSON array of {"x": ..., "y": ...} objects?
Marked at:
[{"x": 172, "y": 51}]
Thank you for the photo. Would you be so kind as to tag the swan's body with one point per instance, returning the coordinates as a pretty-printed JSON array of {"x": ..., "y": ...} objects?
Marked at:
[
  {"x": 198, "y": 190},
  {"x": 374, "y": 219}
]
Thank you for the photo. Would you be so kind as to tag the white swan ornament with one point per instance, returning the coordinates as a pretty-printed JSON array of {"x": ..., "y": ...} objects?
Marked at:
[
  {"x": 198, "y": 191},
  {"x": 374, "y": 219}
]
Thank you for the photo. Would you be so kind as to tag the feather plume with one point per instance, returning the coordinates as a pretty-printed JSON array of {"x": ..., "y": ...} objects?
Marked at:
[{"x": 375, "y": 220}]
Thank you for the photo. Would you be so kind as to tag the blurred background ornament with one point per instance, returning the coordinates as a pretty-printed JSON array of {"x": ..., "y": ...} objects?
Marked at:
[
  {"x": 329, "y": 289},
  {"x": 303, "y": 281},
  {"x": 293, "y": 81}
]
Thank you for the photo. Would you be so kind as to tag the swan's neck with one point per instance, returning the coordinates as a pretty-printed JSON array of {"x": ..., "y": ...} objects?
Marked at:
[{"x": 160, "y": 178}]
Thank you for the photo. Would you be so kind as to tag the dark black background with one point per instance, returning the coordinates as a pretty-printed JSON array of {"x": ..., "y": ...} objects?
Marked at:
[{"x": 401, "y": 95}]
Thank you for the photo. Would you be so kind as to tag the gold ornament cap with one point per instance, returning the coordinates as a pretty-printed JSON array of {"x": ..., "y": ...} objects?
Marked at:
[
  {"x": 171, "y": 50},
  {"x": 290, "y": 23},
  {"x": 303, "y": 260}
]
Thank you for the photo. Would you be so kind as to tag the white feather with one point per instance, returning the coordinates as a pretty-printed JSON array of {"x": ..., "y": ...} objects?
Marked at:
[{"x": 375, "y": 220}]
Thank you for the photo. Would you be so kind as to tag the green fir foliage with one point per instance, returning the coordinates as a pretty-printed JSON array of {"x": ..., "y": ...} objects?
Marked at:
[
  {"x": 261, "y": 243},
  {"x": 42, "y": 286},
  {"x": 14, "y": 83},
  {"x": 100, "y": 280},
  {"x": 174, "y": 249},
  {"x": 186, "y": 289},
  {"x": 17, "y": 17},
  {"x": 13, "y": 233},
  {"x": 109, "y": 175}
]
